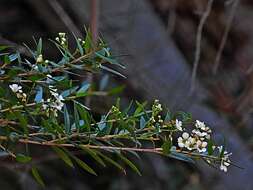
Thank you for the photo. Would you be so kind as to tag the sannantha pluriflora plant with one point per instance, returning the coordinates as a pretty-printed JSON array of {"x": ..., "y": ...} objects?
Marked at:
[{"x": 42, "y": 105}]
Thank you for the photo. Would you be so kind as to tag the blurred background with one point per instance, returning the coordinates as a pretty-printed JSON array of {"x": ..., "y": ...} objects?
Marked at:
[{"x": 195, "y": 56}]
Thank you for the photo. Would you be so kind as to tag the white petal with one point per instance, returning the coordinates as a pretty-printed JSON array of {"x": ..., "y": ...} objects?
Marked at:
[{"x": 185, "y": 135}]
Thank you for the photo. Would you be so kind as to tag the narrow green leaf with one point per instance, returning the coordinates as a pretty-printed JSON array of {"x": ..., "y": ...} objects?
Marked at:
[
  {"x": 39, "y": 94},
  {"x": 80, "y": 48},
  {"x": 111, "y": 161},
  {"x": 7, "y": 59},
  {"x": 129, "y": 163},
  {"x": 68, "y": 92},
  {"x": 3, "y": 47},
  {"x": 210, "y": 147},
  {"x": 109, "y": 60},
  {"x": 85, "y": 116},
  {"x": 111, "y": 71},
  {"x": 181, "y": 157},
  {"x": 39, "y": 47},
  {"x": 14, "y": 56},
  {"x": 94, "y": 155},
  {"x": 83, "y": 89},
  {"x": 103, "y": 82},
  {"x": 76, "y": 116},
  {"x": 116, "y": 90},
  {"x": 66, "y": 120},
  {"x": 166, "y": 147},
  {"x": 23, "y": 158},
  {"x": 142, "y": 122},
  {"x": 84, "y": 165},
  {"x": 63, "y": 156},
  {"x": 37, "y": 176}
]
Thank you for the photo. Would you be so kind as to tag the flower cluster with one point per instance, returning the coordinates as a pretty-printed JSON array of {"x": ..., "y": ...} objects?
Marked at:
[
  {"x": 198, "y": 138},
  {"x": 40, "y": 59},
  {"x": 156, "y": 109},
  {"x": 18, "y": 91},
  {"x": 54, "y": 104},
  {"x": 179, "y": 125},
  {"x": 197, "y": 141},
  {"x": 225, "y": 162},
  {"x": 62, "y": 39},
  {"x": 81, "y": 41}
]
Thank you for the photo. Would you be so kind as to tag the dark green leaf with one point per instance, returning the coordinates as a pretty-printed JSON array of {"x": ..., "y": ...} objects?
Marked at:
[
  {"x": 39, "y": 95},
  {"x": 84, "y": 165},
  {"x": 166, "y": 147},
  {"x": 111, "y": 161},
  {"x": 129, "y": 163},
  {"x": 63, "y": 156},
  {"x": 66, "y": 120},
  {"x": 111, "y": 71},
  {"x": 79, "y": 46},
  {"x": 23, "y": 158},
  {"x": 83, "y": 89},
  {"x": 37, "y": 176},
  {"x": 116, "y": 90},
  {"x": 93, "y": 154},
  {"x": 103, "y": 82},
  {"x": 142, "y": 122},
  {"x": 180, "y": 156},
  {"x": 69, "y": 91}
]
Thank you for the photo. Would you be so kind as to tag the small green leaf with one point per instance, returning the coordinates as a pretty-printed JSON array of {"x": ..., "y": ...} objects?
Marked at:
[
  {"x": 83, "y": 89},
  {"x": 116, "y": 90},
  {"x": 103, "y": 82},
  {"x": 63, "y": 156},
  {"x": 180, "y": 156},
  {"x": 66, "y": 120},
  {"x": 142, "y": 122},
  {"x": 3, "y": 47},
  {"x": 129, "y": 163},
  {"x": 84, "y": 165},
  {"x": 7, "y": 59},
  {"x": 210, "y": 147},
  {"x": 166, "y": 147},
  {"x": 80, "y": 48},
  {"x": 112, "y": 71},
  {"x": 37, "y": 176},
  {"x": 84, "y": 116},
  {"x": 39, "y": 95},
  {"x": 23, "y": 158},
  {"x": 14, "y": 56},
  {"x": 111, "y": 161},
  {"x": 69, "y": 91},
  {"x": 108, "y": 59},
  {"x": 167, "y": 117},
  {"x": 39, "y": 47},
  {"x": 93, "y": 154}
]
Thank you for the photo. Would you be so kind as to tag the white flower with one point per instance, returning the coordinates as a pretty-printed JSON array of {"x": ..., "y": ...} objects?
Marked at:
[
  {"x": 15, "y": 88},
  {"x": 62, "y": 35},
  {"x": 225, "y": 162},
  {"x": 182, "y": 141},
  {"x": 190, "y": 144},
  {"x": 179, "y": 125},
  {"x": 39, "y": 59},
  {"x": 201, "y": 146},
  {"x": 200, "y": 124},
  {"x": 185, "y": 135}
]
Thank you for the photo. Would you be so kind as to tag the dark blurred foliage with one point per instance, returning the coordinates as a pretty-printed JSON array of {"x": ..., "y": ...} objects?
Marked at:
[{"x": 229, "y": 91}]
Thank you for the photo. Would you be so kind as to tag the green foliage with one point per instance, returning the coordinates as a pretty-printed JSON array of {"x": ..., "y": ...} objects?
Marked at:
[{"x": 40, "y": 104}]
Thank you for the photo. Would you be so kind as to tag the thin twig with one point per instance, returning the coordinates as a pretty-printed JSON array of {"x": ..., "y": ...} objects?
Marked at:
[
  {"x": 64, "y": 17},
  {"x": 198, "y": 42},
  {"x": 147, "y": 150},
  {"x": 225, "y": 36}
]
